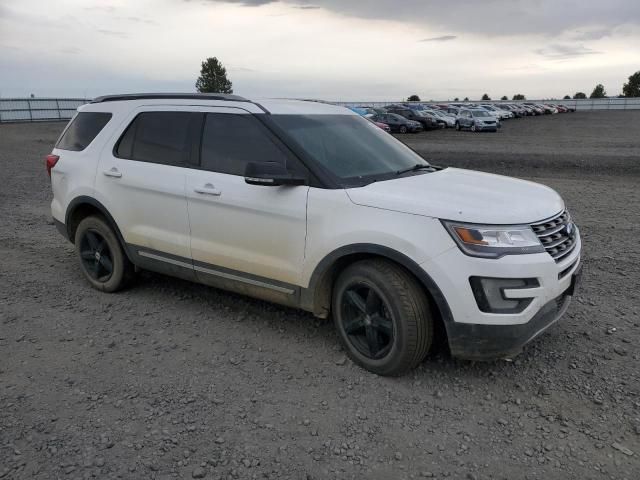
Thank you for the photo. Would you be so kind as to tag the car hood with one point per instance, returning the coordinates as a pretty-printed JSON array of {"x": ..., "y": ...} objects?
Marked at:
[{"x": 462, "y": 195}]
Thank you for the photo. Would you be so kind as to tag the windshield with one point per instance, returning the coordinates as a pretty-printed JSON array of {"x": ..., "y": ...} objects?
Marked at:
[
  {"x": 348, "y": 146},
  {"x": 480, "y": 113}
]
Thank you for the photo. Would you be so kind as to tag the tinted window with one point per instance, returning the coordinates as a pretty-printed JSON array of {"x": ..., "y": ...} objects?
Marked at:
[
  {"x": 231, "y": 141},
  {"x": 82, "y": 130},
  {"x": 347, "y": 145},
  {"x": 158, "y": 137}
]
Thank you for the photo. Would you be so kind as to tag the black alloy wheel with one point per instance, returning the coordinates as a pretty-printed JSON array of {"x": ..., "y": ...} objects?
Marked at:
[
  {"x": 96, "y": 256},
  {"x": 366, "y": 321},
  {"x": 102, "y": 258},
  {"x": 382, "y": 316},
  {"x": 403, "y": 129}
]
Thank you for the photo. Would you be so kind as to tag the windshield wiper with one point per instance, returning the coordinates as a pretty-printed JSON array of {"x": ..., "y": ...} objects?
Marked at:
[{"x": 416, "y": 167}]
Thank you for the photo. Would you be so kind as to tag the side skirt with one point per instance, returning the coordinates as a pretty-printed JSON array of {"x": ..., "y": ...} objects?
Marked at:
[{"x": 215, "y": 276}]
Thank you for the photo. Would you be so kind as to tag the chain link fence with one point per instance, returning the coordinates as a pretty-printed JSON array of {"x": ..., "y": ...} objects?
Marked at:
[
  {"x": 38, "y": 109},
  {"x": 578, "y": 104},
  {"x": 50, "y": 109}
]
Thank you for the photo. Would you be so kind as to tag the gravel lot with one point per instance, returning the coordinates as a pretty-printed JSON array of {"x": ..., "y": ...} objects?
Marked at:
[{"x": 174, "y": 380}]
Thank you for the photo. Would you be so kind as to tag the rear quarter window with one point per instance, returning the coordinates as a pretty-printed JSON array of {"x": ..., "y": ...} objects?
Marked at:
[
  {"x": 159, "y": 137},
  {"x": 82, "y": 130}
]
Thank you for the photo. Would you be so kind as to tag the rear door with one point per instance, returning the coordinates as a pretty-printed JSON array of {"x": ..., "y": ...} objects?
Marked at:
[
  {"x": 248, "y": 233},
  {"x": 141, "y": 181}
]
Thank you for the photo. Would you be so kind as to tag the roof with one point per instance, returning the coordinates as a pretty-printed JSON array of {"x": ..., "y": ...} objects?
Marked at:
[
  {"x": 275, "y": 106},
  {"x": 164, "y": 96}
]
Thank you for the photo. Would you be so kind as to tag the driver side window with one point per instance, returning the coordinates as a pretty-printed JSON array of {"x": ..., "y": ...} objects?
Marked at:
[{"x": 230, "y": 141}]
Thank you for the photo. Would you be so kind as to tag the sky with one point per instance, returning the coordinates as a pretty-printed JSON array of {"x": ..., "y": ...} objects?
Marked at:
[{"x": 355, "y": 50}]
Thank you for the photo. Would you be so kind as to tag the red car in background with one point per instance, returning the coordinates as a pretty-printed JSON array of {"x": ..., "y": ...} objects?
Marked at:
[{"x": 381, "y": 125}]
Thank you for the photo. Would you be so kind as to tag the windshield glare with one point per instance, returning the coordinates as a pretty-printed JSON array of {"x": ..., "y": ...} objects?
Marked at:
[
  {"x": 480, "y": 113},
  {"x": 347, "y": 145}
]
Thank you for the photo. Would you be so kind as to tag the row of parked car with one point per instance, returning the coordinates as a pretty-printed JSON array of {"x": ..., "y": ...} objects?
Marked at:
[{"x": 416, "y": 117}]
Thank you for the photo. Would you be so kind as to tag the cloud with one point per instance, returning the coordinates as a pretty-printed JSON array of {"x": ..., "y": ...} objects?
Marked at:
[
  {"x": 442, "y": 38},
  {"x": 101, "y": 8},
  {"x": 113, "y": 33},
  {"x": 489, "y": 17},
  {"x": 596, "y": 34},
  {"x": 134, "y": 19},
  {"x": 565, "y": 51},
  {"x": 70, "y": 50}
]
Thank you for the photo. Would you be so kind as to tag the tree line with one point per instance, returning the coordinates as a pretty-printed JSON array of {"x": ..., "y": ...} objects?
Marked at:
[
  {"x": 630, "y": 89},
  {"x": 213, "y": 79}
]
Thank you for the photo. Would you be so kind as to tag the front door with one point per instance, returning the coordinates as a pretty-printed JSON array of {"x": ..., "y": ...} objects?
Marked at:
[{"x": 241, "y": 232}]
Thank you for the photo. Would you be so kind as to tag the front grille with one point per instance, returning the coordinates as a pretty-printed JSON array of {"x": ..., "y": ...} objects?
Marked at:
[{"x": 557, "y": 234}]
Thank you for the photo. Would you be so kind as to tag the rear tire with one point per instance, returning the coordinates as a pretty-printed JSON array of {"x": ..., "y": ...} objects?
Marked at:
[
  {"x": 382, "y": 316},
  {"x": 101, "y": 257}
]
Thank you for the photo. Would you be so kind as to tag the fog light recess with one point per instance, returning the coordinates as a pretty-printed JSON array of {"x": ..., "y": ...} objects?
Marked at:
[{"x": 490, "y": 296}]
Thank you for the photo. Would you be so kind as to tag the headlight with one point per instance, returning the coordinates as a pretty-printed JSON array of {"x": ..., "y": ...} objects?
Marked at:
[{"x": 493, "y": 241}]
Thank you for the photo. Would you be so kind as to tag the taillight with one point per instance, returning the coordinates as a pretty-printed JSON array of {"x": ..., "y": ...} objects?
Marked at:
[{"x": 50, "y": 162}]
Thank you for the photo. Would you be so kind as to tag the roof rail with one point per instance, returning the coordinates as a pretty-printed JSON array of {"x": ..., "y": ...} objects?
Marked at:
[{"x": 167, "y": 96}]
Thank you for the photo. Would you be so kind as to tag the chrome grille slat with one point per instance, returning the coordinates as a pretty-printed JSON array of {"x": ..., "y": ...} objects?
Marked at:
[
  {"x": 546, "y": 233},
  {"x": 555, "y": 237}
]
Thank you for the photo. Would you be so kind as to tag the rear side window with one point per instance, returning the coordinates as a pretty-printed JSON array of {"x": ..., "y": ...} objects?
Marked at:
[
  {"x": 158, "y": 137},
  {"x": 82, "y": 130},
  {"x": 230, "y": 141}
]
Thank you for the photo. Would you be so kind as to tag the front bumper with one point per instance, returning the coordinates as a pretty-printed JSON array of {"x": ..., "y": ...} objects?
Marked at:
[
  {"x": 489, "y": 342},
  {"x": 478, "y": 335}
]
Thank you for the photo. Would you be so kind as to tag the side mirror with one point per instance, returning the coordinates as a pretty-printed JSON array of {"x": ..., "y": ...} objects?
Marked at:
[{"x": 270, "y": 174}]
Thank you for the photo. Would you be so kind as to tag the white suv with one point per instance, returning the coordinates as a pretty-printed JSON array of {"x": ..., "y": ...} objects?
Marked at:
[{"x": 309, "y": 205}]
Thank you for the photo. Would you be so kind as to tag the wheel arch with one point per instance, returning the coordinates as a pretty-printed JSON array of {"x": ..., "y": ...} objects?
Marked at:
[
  {"x": 317, "y": 297},
  {"x": 83, "y": 206}
]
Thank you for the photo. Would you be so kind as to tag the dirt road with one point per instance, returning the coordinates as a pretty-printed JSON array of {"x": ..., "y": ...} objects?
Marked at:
[{"x": 174, "y": 380}]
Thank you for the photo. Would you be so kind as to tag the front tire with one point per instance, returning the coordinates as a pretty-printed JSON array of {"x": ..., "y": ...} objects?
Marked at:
[
  {"x": 382, "y": 316},
  {"x": 457, "y": 126},
  {"x": 102, "y": 260},
  {"x": 473, "y": 128},
  {"x": 403, "y": 129}
]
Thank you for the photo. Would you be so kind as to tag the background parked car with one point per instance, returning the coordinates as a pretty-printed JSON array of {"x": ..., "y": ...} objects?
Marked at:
[
  {"x": 448, "y": 120},
  {"x": 537, "y": 109},
  {"x": 381, "y": 125},
  {"x": 497, "y": 112},
  {"x": 517, "y": 112},
  {"x": 476, "y": 120},
  {"x": 398, "y": 123},
  {"x": 427, "y": 122}
]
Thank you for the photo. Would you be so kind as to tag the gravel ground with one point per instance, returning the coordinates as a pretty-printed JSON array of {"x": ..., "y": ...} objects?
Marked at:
[{"x": 174, "y": 380}]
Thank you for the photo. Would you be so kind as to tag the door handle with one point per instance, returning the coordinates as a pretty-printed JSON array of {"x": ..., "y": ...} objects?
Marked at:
[
  {"x": 113, "y": 172},
  {"x": 208, "y": 189}
]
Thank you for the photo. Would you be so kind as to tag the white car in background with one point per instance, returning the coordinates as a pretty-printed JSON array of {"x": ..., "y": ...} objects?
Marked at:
[{"x": 497, "y": 112}]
